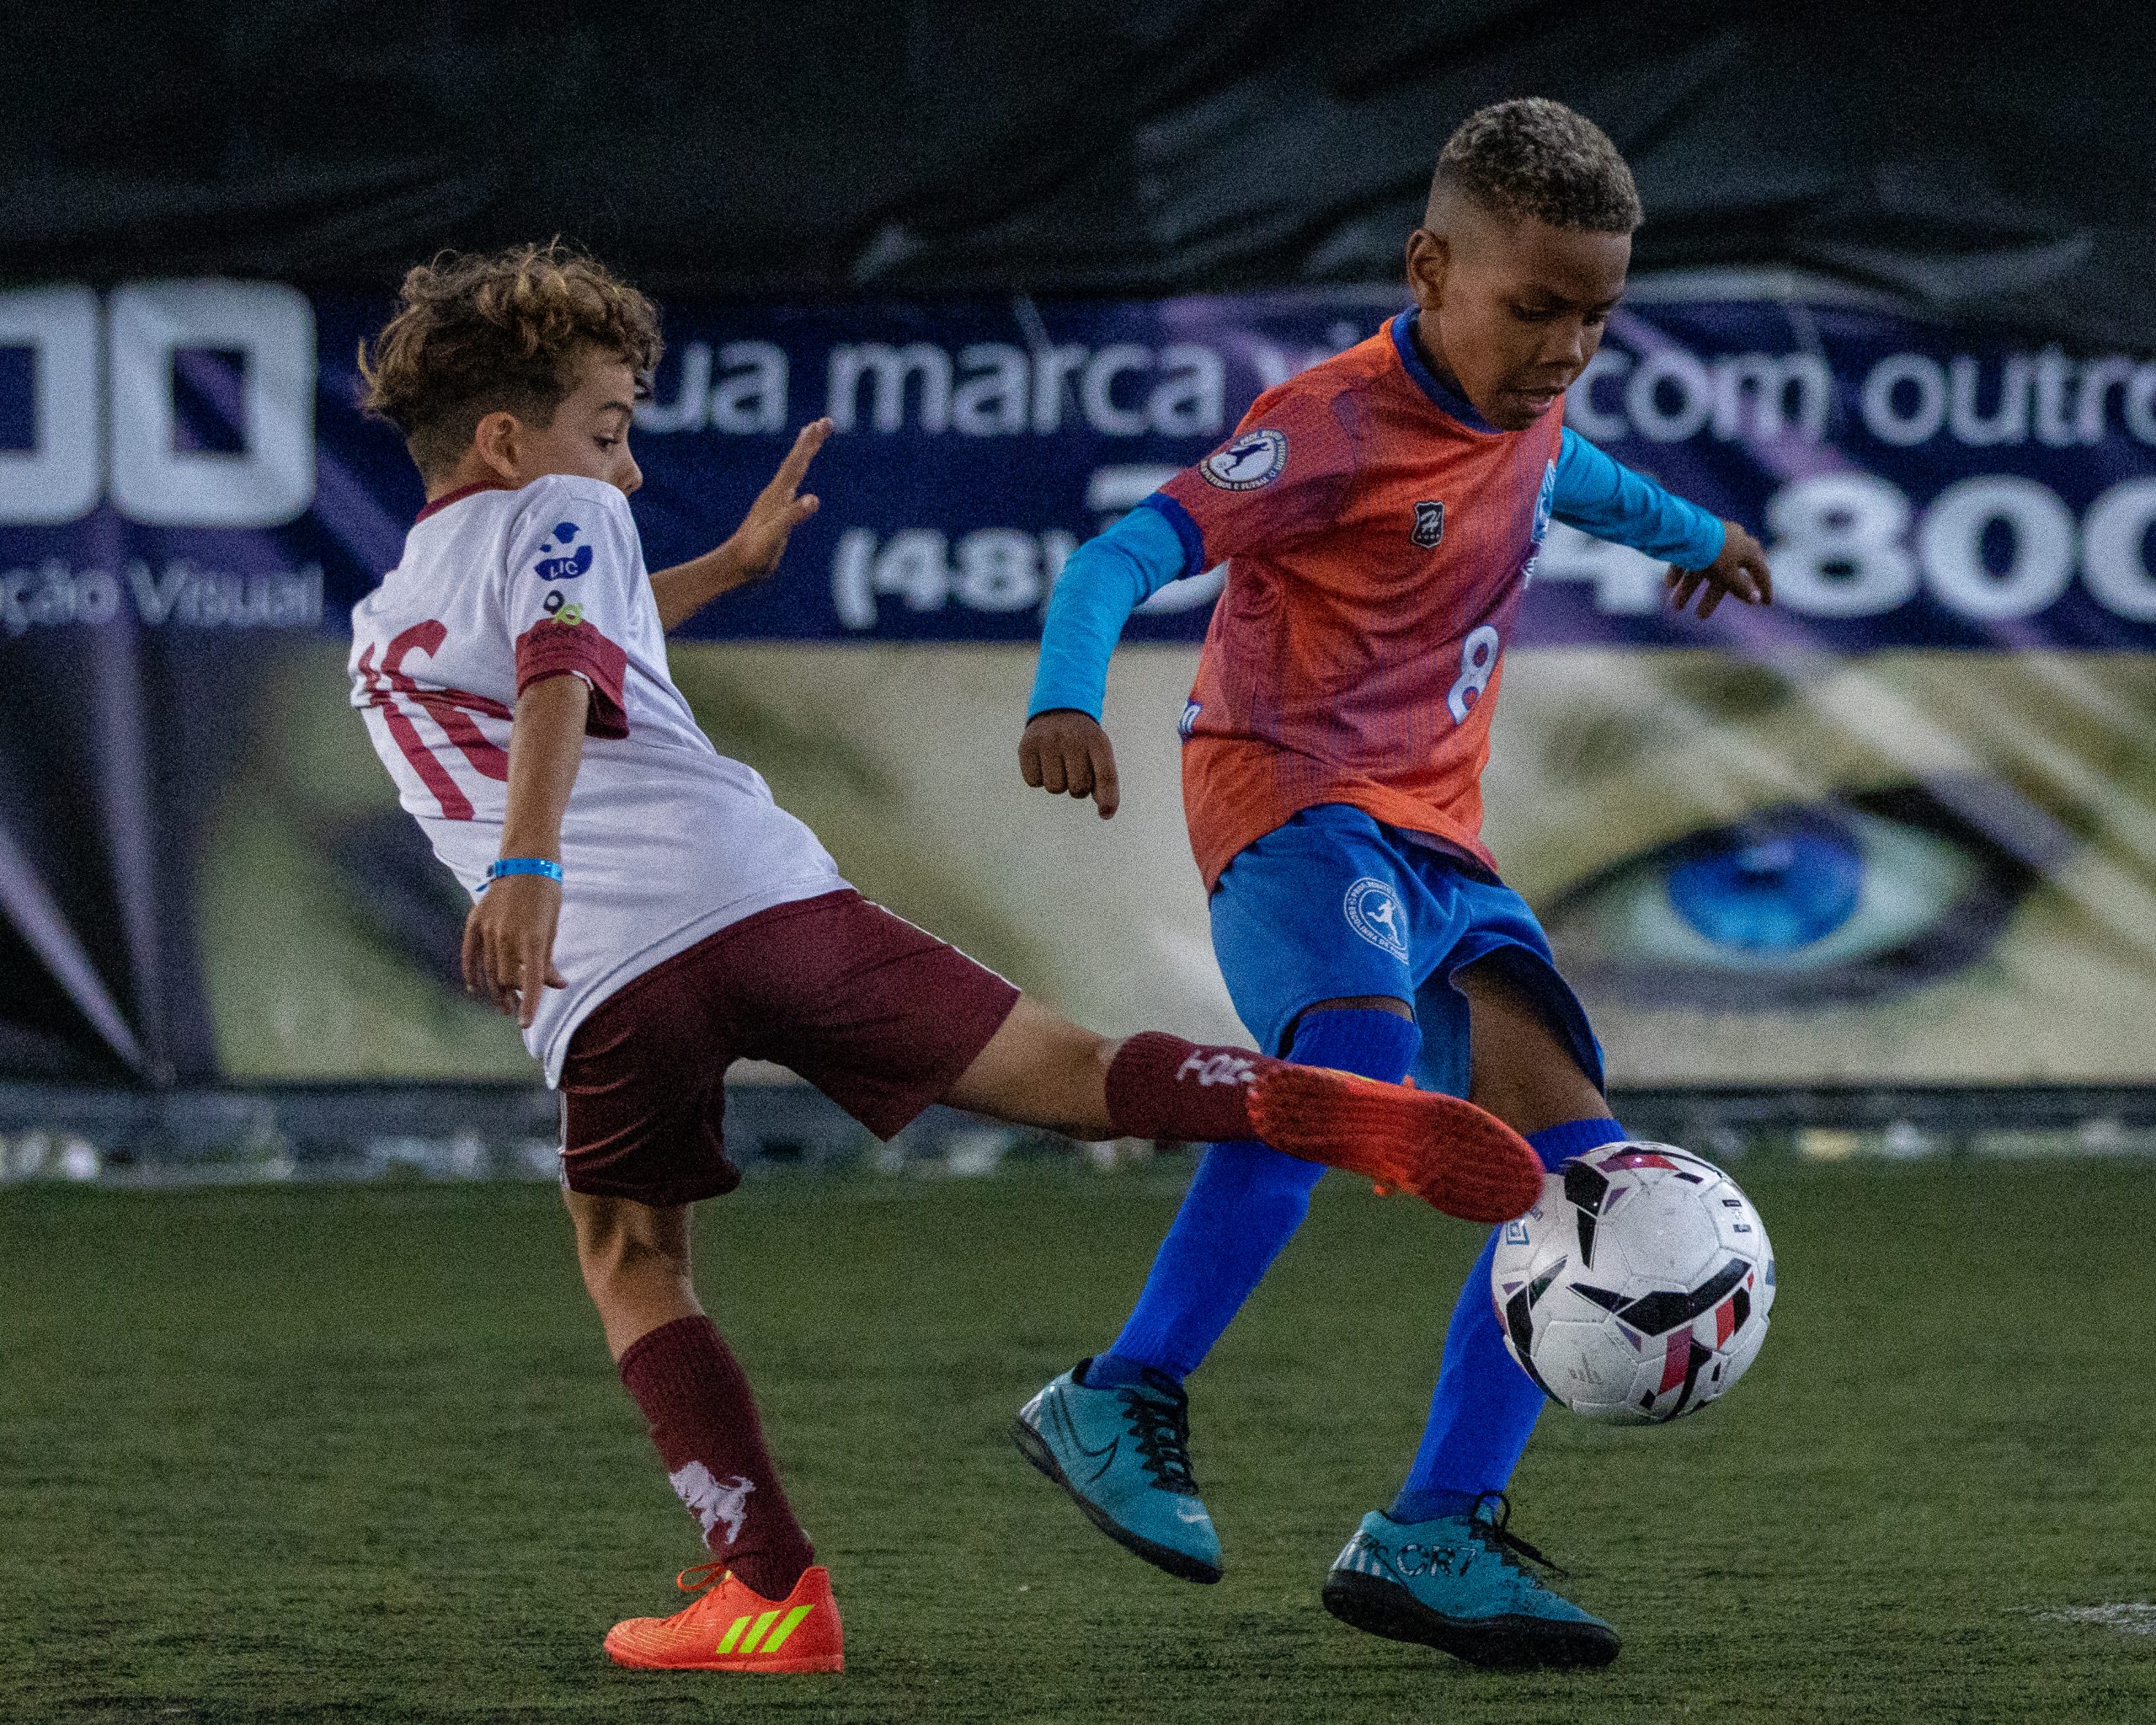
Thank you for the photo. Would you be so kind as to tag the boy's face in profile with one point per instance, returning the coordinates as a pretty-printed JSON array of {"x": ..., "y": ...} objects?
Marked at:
[
  {"x": 1512, "y": 308},
  {"x": 589, "y": 434}
]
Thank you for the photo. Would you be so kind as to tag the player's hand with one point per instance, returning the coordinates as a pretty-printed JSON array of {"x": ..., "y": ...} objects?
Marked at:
[
  {"x": 1741, "y": 571},
  {"x": 760, "y": 541},
  {"x": 509, "y": 944},
  {"x": 1065, "y": 752}
]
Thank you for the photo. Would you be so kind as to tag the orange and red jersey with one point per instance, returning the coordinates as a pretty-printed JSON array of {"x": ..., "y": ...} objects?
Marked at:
[{"x": 1377, "y": 535}]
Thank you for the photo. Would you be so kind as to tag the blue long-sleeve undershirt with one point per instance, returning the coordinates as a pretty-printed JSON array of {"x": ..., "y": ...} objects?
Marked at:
[
  {"x": 1105, "y": 579},
  {"x": 1111, "y": 574},
  {"x": 1607, "y": 499}
]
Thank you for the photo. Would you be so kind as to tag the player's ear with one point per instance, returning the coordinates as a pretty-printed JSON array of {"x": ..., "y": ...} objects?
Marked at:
[
  {"x": 496, "y": 437},
  {"x": 1429, "y": 255}
]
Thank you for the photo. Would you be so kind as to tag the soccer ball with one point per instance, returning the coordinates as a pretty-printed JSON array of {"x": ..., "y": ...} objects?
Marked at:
[{"x": 1637, "y": 1289}]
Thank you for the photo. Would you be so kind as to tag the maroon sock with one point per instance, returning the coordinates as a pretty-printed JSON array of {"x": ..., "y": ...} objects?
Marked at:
[
  {"x": 703, "y": 1419},
  {"x": 1161, "y": 1086}
]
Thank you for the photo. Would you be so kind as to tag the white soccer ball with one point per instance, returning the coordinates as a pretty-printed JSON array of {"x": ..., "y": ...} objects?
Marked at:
[{"x": 1637, "y": 1289}]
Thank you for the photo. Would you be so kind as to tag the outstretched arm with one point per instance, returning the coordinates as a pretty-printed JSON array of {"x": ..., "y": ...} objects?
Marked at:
[
  {"x": 1063, "y": 750},
  {"x": 1707, "y": 556},
  {"x": 758, "y": 543}
]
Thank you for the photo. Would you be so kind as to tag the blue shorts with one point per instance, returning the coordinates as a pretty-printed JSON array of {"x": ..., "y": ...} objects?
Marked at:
[{"x": 1336, "y": 904}]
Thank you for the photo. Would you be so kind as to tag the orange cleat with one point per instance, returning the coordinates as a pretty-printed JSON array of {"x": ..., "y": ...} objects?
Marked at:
[
  {"x": 1450, "y": 1153},
  {"x": 730, "y": 1628}
]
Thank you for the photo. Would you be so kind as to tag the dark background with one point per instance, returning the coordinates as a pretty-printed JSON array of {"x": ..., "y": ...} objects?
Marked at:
[{"x": 1991, "y": 161}]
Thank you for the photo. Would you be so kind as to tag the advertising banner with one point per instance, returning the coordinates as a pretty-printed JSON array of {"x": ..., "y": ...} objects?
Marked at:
[{"x": 1901, "y": 828}]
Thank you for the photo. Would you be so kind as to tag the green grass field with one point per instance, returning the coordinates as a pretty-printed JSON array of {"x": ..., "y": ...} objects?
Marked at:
[{"x": 357, "y": 1455}]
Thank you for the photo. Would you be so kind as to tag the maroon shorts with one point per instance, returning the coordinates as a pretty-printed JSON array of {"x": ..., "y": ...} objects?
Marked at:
[{"x": 881, "y": 1017}]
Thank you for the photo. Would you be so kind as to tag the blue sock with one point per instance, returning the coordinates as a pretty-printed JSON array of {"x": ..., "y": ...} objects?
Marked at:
[
  {"x": 1245, "y": 1202},
  {"x": 1558, "y": 1145},
  {"x": 1485, "y": 1406}
]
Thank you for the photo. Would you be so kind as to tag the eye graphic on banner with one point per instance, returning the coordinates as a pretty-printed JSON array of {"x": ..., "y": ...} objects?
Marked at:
[{"x": 1796, "y": 904}]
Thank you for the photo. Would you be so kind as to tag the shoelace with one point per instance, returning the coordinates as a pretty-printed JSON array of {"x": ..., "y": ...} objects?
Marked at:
[
  {"x": 1161, "y": 1422},
  {"x": 1494, "y": 1531},
  {"x": 706, "y": 1575}
]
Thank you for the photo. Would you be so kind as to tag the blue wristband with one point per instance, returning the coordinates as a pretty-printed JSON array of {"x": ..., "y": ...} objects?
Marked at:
[{"x": 522, "y": 865}]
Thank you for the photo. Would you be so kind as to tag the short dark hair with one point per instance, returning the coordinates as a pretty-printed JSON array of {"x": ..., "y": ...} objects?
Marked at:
[
  {"x": 481, "y": 333},
  {"x": 1537, "y": 158}
]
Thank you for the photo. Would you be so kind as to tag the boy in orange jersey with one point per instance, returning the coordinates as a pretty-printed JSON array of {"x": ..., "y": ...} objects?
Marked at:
[
  {"x": 1379, "y": 516},
  {"x": 649, "y": 915}
]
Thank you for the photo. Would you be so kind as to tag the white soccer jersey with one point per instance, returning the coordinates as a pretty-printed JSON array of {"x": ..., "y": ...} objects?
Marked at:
[{"x": 665, "y": 839}]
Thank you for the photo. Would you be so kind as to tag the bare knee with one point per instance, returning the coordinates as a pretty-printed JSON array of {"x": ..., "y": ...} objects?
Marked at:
[
  {"x": 621, "y": 1246},
  {"x": 1041, "y": 1070},
  {"x": 1522, "y": 1070}
]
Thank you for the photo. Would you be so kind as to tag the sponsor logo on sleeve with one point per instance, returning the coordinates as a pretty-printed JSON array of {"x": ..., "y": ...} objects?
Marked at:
[
  {"x": 1253, "y": 459},
  {"x": 1188, "y": 723},
  {"x": 561, "y": 610},
  {"x": 565, "y": 567},
  {"x": 1429, "y": 524}
]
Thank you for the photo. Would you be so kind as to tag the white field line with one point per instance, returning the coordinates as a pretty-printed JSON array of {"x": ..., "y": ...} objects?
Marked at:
[{"x": 2127, "y": 1620}]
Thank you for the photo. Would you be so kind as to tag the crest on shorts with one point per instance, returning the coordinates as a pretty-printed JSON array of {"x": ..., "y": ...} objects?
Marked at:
[
  {"x": 1429, "y": 524},
  {"x": 1246, "y": 461},
  {"x": 1374, "y": 911}
]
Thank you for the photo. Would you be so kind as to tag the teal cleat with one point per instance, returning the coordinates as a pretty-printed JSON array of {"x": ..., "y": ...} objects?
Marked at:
[
  {"x": 1458, "y": 1583},
  {"x": 1125, "y": 1455}
]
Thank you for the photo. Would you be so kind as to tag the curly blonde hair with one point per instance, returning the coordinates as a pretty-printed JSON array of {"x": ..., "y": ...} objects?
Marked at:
[{"x": 479, "y": 332}]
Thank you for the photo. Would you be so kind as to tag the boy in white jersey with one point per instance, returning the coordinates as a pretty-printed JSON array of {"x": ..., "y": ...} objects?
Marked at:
[{"x": 649, "y": 915}]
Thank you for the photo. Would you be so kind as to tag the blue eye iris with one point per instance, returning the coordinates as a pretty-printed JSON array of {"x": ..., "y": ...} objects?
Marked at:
[{"x": 1773, "y": 886}]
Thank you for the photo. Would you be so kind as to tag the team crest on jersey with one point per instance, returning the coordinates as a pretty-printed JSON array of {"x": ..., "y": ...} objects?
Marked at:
[
  {"x": 1429, "y": 524},
  {"x": 1245, "y": 462},
  {"x": 1375, "y": 912}
]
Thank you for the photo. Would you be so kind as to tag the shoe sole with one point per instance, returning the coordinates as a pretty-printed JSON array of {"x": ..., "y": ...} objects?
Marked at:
[
  {"x": 819, "y": 1663},
  {"x": 1455, "y": 1156},
  {"x": 1179, "y": 1564},
  {"x": 1504, "y": 1643}
]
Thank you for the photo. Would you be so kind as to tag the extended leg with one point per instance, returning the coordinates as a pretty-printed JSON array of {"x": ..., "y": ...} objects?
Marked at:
[{"x": 1039, "y": 1070}]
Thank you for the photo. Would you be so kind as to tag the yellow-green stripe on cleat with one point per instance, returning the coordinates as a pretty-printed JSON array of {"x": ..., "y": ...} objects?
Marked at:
[{"x": 792, "y": 1622}]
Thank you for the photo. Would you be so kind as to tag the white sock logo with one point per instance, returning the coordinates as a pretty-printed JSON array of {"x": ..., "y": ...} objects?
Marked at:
[
  {"x": 711, "y": 1500},
  {"x": 1216, "y": 1069}
]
